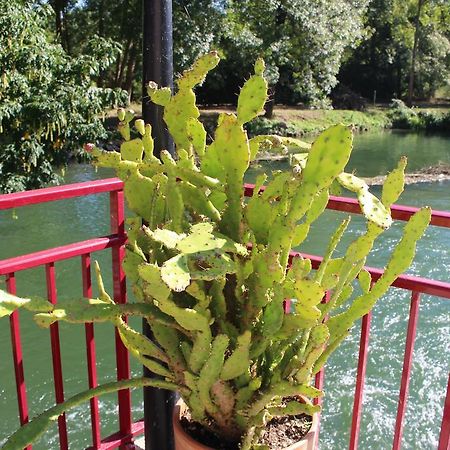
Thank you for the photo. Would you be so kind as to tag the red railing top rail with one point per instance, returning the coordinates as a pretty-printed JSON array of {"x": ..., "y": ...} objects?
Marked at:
[
  {"x": 50, "y": 255},
  {"x": 409, "y": 282},
  {"x": 345, "y": 204},
  {"x": 8, "y": 201}
]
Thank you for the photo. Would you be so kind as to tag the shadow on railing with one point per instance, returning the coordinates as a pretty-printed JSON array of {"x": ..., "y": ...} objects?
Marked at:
[{"x": 115, "y": 241}]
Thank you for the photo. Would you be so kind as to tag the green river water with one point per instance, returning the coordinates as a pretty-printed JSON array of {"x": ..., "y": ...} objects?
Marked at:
[{"x": 38, "y": 227}]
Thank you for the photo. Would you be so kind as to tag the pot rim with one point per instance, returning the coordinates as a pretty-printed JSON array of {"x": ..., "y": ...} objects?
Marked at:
[{"x": 309, "y": 437}]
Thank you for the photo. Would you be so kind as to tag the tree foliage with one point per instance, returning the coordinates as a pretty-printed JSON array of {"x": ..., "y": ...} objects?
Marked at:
[
  {"x": 196, "y": 24},
  {"x": 62, "y": 65},
  {"x": 305, "y": 37},
  {"x": 383, "y": 61},
  {"x": 49, "y": 104}
]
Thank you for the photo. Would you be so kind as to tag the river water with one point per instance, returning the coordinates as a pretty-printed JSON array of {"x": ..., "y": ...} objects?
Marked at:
[{"x": 38, "y": 227}]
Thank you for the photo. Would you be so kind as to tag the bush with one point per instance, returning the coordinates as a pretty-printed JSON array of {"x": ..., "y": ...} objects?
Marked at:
[
  {"x": 408, "y": 118},
  {"x": 265, "y": 126},
  {"x": 402, "y": 117},
  {"x": 344, "y": 98},
  {"x": 49, "y": 103}
]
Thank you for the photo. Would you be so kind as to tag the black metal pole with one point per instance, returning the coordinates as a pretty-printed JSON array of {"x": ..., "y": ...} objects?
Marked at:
[{"x": 157, "y": 66}]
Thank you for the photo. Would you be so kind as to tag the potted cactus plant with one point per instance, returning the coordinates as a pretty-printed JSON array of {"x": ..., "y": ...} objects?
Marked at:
[{"x": 211, "y": 269}]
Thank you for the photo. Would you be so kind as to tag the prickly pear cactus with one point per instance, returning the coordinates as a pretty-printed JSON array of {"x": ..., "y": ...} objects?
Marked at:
[{"x": 214, "y": 302}]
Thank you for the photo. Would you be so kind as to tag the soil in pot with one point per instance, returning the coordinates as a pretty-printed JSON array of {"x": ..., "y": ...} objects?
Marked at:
[{"x": 280, "y": 432}]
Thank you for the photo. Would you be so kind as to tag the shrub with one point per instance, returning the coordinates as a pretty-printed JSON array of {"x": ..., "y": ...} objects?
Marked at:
[{"x": 49, "y": 104}]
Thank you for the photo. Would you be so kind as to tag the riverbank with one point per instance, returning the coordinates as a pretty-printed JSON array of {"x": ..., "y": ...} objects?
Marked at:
[
  {"x": 439, "y": 172},
  {"x": 291, "y": 121},
  {"x": 297, "y": 121},
  {"x": 376, "y": 153}
]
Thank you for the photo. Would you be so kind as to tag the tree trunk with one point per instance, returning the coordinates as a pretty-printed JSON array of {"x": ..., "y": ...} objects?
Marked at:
[
  {"x": 57, "y": 6},
  {"x": 399, "y": 80},
  {"x": 414, "y": 53},
  {"x": 121, "y": 56},
  {"x": 123, "y": 63},
  {"x": 101, "y": 18},
  {"x": 130, "y": 68},
  {"x": 67, "y": 45},
  {"x": 270, "y": 103}
]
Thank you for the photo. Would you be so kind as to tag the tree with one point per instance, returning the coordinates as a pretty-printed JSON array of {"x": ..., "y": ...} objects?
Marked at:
[
  {"x": 432, "y": 66},
  {"x": 306, "y": 37},
  {"x": 412, "y": 68},
  {"x": 49, "y": 103},
  {"x": 405, "y": 52},
  {"x": 196, "y": 24}
]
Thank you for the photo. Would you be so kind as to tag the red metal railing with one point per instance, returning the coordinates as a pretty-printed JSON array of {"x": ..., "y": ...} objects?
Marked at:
[{"x": 115, "y": 241}]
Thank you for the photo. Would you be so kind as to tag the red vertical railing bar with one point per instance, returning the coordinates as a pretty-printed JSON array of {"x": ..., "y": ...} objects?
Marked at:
[
  {"x": 406, "y": 372},
  {"x": 444, "y": 438},
  {"x": 319, "y": 382},
  {"x": 56, "y": 356},
  {"x": 90, "y": 353},
  {"x": 17, "y": 356},
  {"x": 117, "y": 214},
  {"x": 360, "y": 381}
]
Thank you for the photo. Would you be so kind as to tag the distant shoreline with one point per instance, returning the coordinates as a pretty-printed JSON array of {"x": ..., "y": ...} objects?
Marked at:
[{"x": 438, "y": 172}]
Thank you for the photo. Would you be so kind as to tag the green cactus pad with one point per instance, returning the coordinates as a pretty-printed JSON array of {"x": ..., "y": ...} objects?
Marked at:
[
  {"x": 401, "y": 258},
  {"x": 124, "y": 130},
  {"x": 210, "y": 372},
  {"x": 10, "y": 303},
  {"x": 175, "y": 273},
  {"x": 394, "y": 184},
  {"x": 371, "y": 207},
  {"x": 253, "y": 95},
  {"x": 168, "y": 238},
  {"x": 210, "y": 266},
  {"x": 197, "y": 135},
  {"x": 197, "y": 73},
  {"x": 202, "y": 239},
  {"x": 159, "y": 96},
  {"x": 197, "y": 200},
  {"x": 365, "y": 280},
  {"x": 328, "y": 156},
  {"x": 139, "y": 191},
  {"x": 103, "y": 158},
  {"x": 130, "y": 264},
  {"x": 155, "y": 287},
  {"x": 294, "y": 408},
  {"x": 132, "y": 150},
  {"x": 239, "y": 361}
]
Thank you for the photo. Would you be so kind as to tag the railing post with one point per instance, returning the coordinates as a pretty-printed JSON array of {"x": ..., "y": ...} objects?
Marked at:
[
  {"x": 406, "y": 372},
  {"x": 90, "y": 352},
  {"x": 56, "y": 356},
  {"x": 117, "y": 215},
  {"x": 444, "y": 438},
  {"x": 17, "y": 356},
  {"x": 360, "y": 381},
  {"x": 319, "y": 382},
  {"x": 158, "y": 67}
]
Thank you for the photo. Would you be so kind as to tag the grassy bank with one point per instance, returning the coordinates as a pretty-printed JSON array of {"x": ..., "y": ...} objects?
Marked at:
[
  {"x": 300, "y": 122},
  {"x": 291, "y": 121}
]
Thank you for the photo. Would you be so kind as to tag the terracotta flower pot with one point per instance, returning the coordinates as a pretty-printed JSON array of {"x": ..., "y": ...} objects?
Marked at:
[{"x": 184, "y": 441}]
